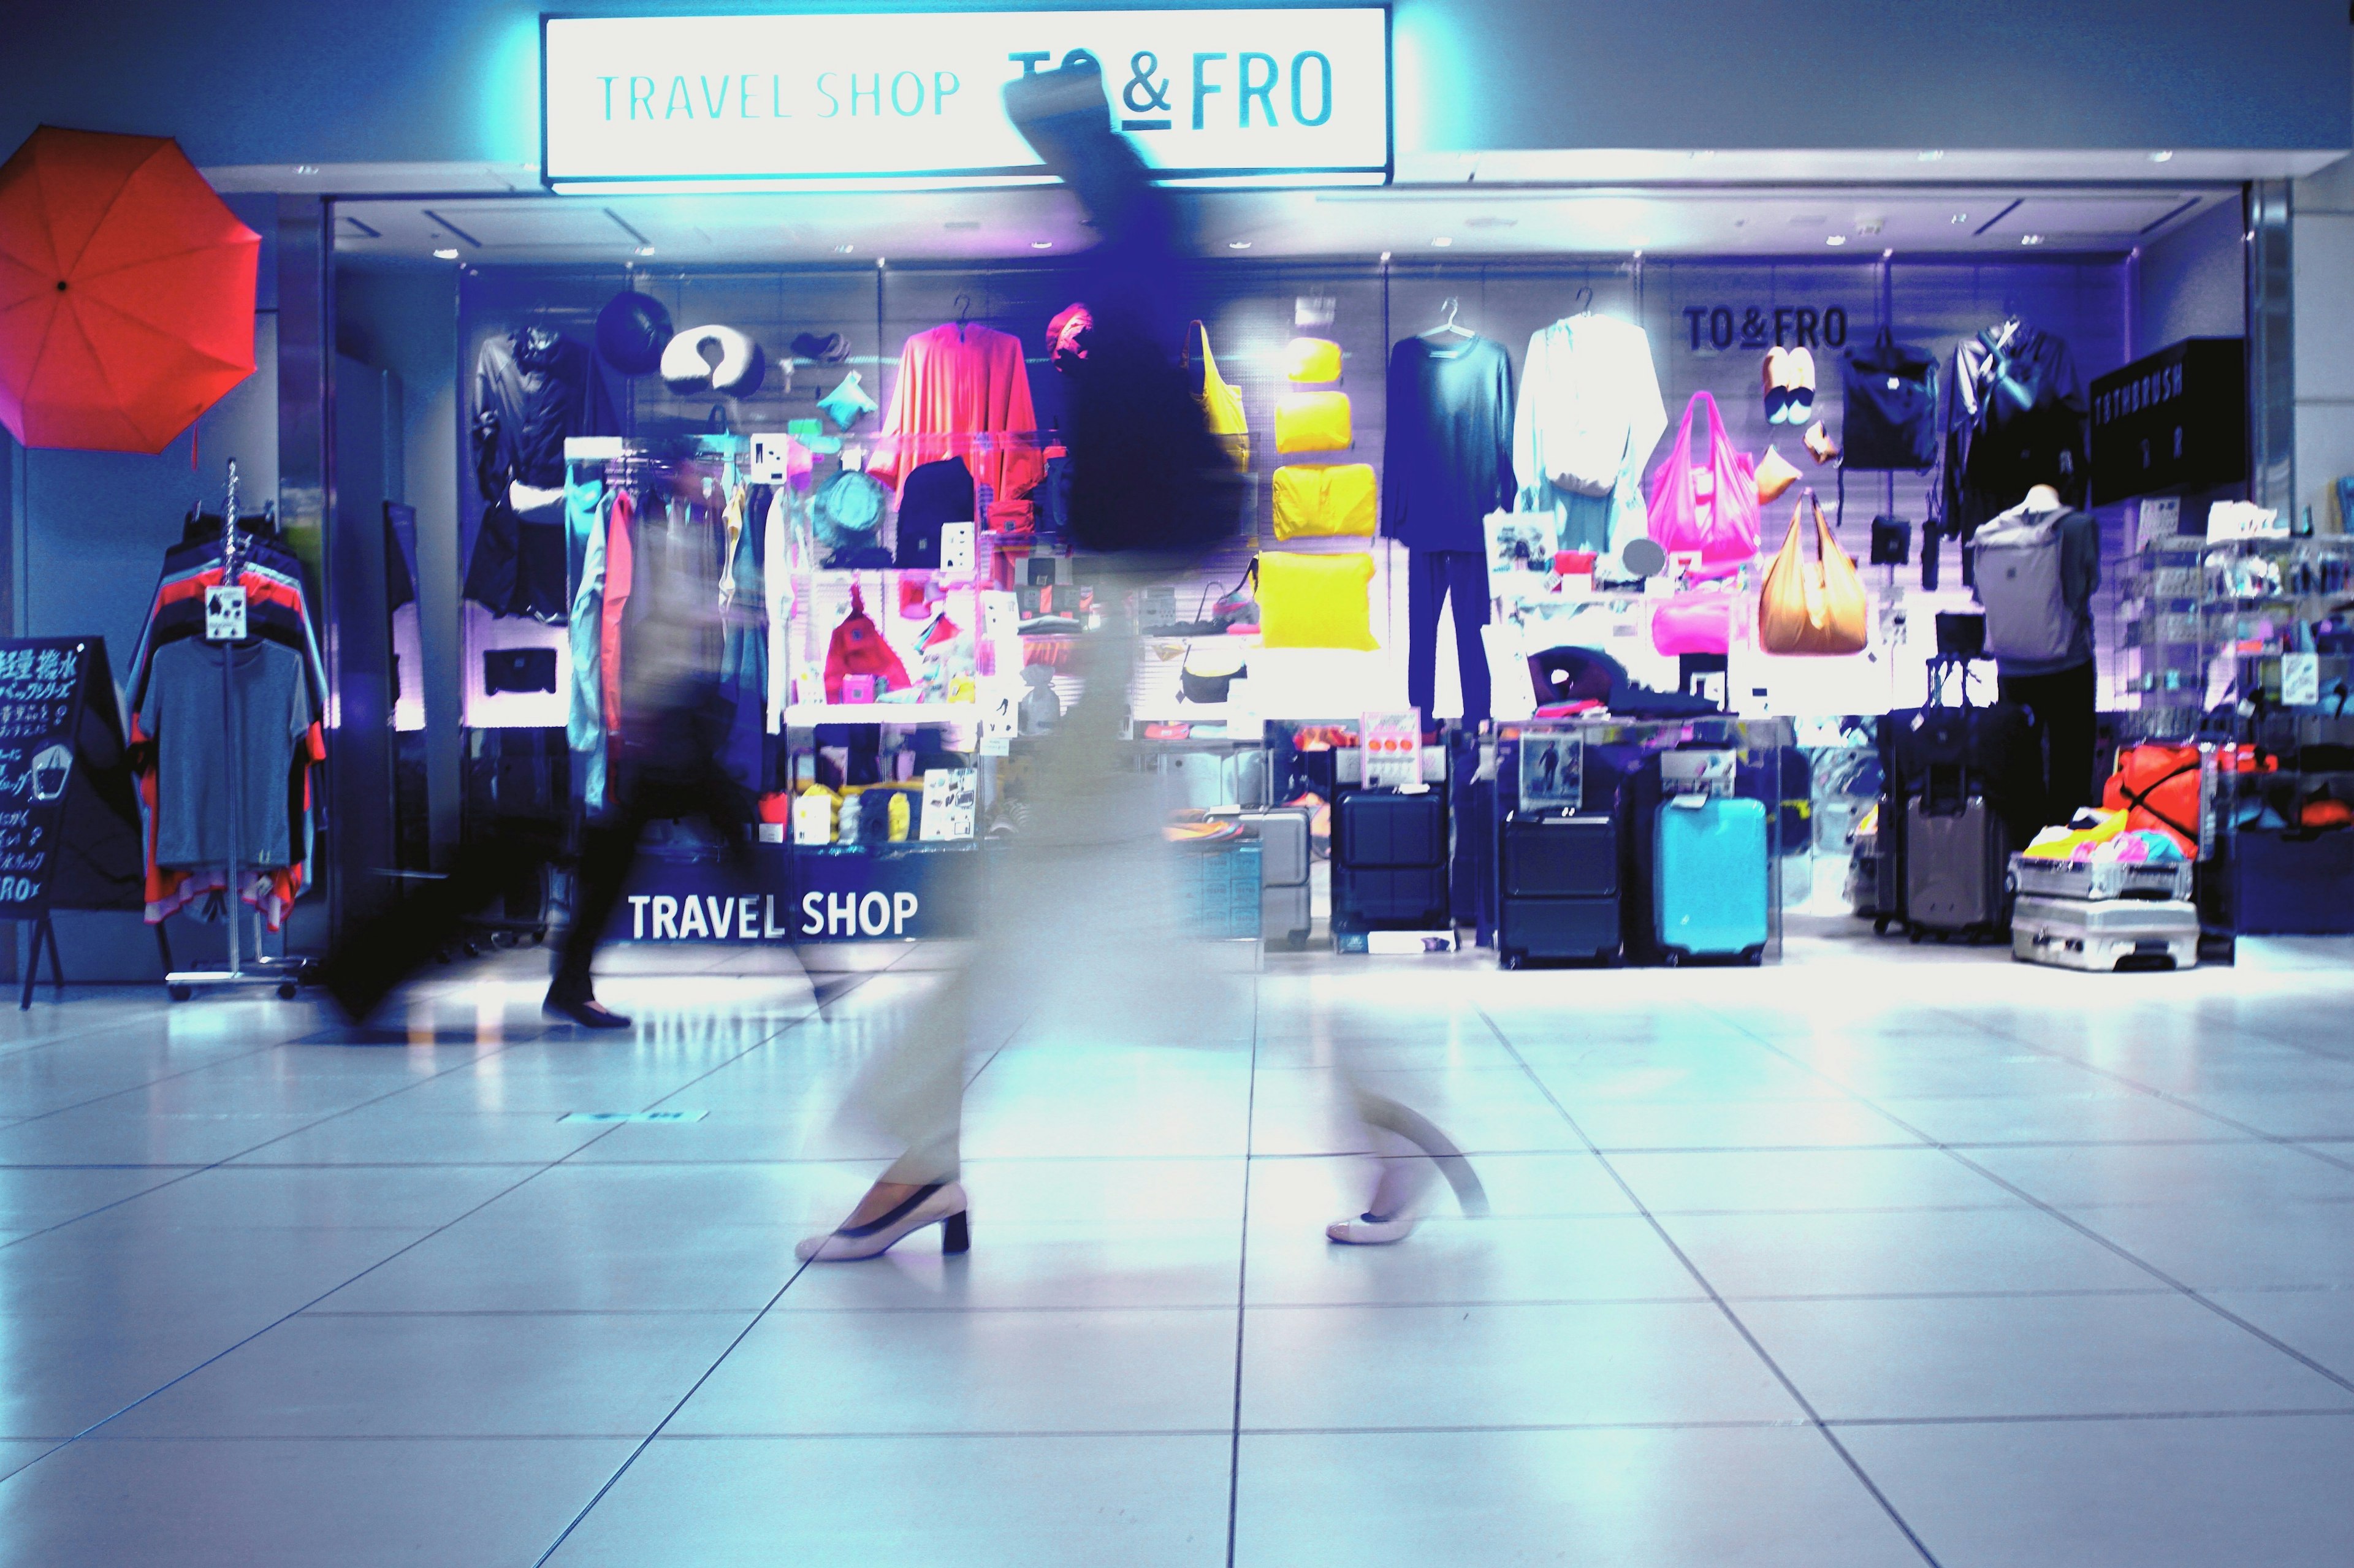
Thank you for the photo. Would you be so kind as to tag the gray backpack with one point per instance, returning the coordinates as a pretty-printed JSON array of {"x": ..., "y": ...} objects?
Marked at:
[{"x": 2018, "y": 575}]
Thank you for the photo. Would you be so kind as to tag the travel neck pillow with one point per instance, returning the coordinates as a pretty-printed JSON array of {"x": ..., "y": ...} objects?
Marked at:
[{"x": 743, "y": 365}]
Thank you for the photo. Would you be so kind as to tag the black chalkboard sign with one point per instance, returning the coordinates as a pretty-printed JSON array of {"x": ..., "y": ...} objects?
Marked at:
[{"x": 69, "y": 809}]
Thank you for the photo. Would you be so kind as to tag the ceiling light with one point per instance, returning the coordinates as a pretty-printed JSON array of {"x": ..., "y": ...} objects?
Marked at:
[
  {"x": 645, "y": 249},
  {"x": 2030, "y": 240},
  {"x": 2161, "y": 157},
  {"x": 445, "y": 255},
  {"x": 1385, "y": 258},
  {"x": 1959, "y": 218},
  {"x": 1931, "y": 158},
  {"x": 1887, "y": 255},
  {"x": 1442, "y": 241},
  {"x": 1239, "y": 244},
  {"x": 1835, "y": 239},
  {"x": 313, "y": 168},
  {"x": 1869, "y": 224},
  {"x": 1042, "y": 244},
  {"x": 843, "y": 250}
]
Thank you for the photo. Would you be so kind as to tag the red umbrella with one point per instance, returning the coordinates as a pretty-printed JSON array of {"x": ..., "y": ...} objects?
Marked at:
[{"x": 126, "y": 291}]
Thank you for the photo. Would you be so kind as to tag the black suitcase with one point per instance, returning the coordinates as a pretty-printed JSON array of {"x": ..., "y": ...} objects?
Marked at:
[
  {"x": 1559, "y": 885},
  {"x": 1379, "y": 828},
  {"x": 1389, "y": 862}
]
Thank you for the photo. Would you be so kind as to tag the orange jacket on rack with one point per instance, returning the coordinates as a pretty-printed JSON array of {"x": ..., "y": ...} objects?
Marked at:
[{"x": 961, "y": 381}]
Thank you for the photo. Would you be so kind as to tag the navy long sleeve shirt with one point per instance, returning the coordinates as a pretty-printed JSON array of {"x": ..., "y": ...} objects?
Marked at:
[{"x": 1446, "y": 448}]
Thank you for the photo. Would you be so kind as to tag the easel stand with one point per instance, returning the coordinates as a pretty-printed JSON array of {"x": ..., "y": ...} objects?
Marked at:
[{"x": 183, "y": 984}]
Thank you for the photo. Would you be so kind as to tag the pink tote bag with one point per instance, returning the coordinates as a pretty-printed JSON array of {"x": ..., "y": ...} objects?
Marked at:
[
  {"x": 1710, "y": 507},
  {"x": 1697, "y": 620}
]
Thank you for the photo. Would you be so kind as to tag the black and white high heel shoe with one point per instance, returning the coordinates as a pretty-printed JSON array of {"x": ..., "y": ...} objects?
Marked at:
[{"x": 941, "y": 1203}]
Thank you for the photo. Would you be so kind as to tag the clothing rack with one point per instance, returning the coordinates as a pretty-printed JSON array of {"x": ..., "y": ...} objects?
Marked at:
[{"x": 280, "y": 973}]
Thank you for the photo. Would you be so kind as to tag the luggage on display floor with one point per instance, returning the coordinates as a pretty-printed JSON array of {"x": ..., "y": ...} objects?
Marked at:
[
  {"x": 1389, "y": 862},
  {"x": 1709, "y": 892},
  {"x": 1284, "y": 912},
  {"x": 1953, "y": 864},
  {"x": 1560, "y": 889},
  {"x": 2105, "y": 934},
  {"x": 2093, "y": 879}
]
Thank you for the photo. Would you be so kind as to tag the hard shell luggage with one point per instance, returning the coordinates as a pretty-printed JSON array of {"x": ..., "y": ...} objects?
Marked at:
[
  {"x": 1282, "y": 833},
  {"x": 1284, "y": 915},
  {"x": 1389, "y": 861},
  {"x": 1377, "y": 828},
  {"x": 2108, "y": 934},
  {"x": 1709, "y": 890},
  {"x": 2164, "y": 880},
  {"x": 1404, "y": 897},
  {"x": 1953, "y": 865},
  {"x": 1560, "y": 889}
]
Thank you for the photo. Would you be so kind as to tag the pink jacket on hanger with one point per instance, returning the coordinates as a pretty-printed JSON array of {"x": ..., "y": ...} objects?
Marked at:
[{"x": 961, "y": 381}]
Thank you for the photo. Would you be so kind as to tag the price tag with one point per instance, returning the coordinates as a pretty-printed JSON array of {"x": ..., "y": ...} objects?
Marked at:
[
  {"x": 2300, "y": 680},
  {"x": 956, "y": 549},
  {"x": 1393, "y": 744},
  {"x": 224, "y": 614}
]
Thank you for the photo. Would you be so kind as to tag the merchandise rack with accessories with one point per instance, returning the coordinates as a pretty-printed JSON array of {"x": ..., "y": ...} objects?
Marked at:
[{"x": 2278, "y": 620}]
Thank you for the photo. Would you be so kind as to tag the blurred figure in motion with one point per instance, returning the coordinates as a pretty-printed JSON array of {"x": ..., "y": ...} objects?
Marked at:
[
  {"x": 664, "y": 763},
  {"x": 1085, "y": 918}
]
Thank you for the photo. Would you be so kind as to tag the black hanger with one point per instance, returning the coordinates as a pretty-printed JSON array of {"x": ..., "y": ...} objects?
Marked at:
[
  {"x": 1585, "y": 301},
  {"x": 964, "y": 312}
]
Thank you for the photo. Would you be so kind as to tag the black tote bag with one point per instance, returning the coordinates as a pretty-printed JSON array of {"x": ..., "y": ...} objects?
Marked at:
[{"x": 1891, "y": 393}]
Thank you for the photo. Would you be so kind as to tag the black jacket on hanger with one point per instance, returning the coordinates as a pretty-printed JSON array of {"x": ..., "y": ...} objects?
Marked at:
[
  {"x": 2015, "y": 418},
  {"x": 533, "y": 387}
]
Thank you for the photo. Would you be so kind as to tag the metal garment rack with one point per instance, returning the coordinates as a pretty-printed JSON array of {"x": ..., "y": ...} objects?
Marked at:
[{"x": 280, "y": 973}]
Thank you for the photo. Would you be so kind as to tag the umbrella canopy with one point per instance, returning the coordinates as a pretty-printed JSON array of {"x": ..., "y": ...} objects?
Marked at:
[{"x": 126, "y": 291}]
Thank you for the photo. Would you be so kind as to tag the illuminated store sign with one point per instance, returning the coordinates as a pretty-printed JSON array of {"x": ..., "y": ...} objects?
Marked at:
[{"x": 782, "y": 102}]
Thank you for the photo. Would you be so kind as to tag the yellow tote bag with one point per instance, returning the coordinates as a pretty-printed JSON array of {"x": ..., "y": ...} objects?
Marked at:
[
  {"x": 1315, "y": 602},
  {"x": 1324, "y": 501},
  {"x": 1812, "y": 607},
  {"x": 1221, "y": 400},
  {"x": 1312, "y": 422},
  {"x": 1311, "y": 359}
]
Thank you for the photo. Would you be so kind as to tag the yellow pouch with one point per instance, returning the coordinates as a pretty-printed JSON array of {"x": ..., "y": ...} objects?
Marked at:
[
  {"x": 2062, "y": 843},
  {"x": 1315, "y": 602},
  {"x": 1311, "y": 359},
  {"x": 1312, "y": 422},
  {"x": 1324, "y": 501},
  {"x": 1222, "y": 402}
]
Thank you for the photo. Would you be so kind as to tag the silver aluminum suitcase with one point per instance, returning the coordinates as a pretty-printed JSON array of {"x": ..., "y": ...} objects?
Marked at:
[
  {"x": 1283, "y": 898},
  {"x": 1283, "y": 839},
  {"x": 2101, "y": 879},
  {"x": 1284, "y": 916},
  {"x": 2105, "y": 934}
]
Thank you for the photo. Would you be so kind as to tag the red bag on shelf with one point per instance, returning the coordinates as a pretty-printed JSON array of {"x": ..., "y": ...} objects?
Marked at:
[{"x": 857, "y": 647}]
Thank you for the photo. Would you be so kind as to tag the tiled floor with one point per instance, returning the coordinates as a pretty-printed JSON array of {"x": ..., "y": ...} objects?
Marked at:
[{"x": 1882, "y": 1256}]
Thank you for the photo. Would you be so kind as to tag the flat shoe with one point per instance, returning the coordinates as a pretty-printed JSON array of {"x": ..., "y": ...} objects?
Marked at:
[
  {"x": 1777, "y": 386},
  {"x": 1802, "y": 387},
  {"x": 584, "y": 1010},
  {"x": 1372, "y": 1230}
]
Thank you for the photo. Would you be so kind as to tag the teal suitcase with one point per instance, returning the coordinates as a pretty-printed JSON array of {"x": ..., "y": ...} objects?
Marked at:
[{"x": 1709, "y": 878}]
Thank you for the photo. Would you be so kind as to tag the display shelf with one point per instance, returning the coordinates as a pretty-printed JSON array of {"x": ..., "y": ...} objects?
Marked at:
[{"x": 805, "y": 715}]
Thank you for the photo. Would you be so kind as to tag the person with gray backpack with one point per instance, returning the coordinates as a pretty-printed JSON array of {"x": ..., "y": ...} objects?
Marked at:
[{"x": 2036, "y": 568}]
